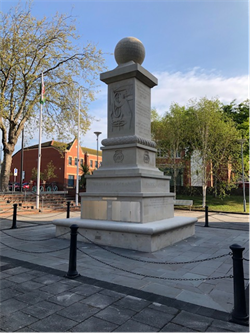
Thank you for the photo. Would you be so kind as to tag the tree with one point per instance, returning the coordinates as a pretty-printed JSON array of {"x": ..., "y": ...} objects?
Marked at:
[
  {"x": 170, "y": 133},
  {"x": 49, "y": 172},
  {"x": 239, "y": 113},
  {"x": 85, "y": 171},
  {"x": 206, "y": 134},
  {"x": 34, "y": 174},
  {"x": 213, "y": 136},
  {"x": 30, "y": 46}
]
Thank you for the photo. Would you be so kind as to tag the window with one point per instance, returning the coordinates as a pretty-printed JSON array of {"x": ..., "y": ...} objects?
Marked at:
[
  {"x": 71, "y": 181},
  {"x": 91, "y": 163},
  {"x": 96, "y": 164},
  {"x": 81, "y": 161},
  {"x": 177, "y": 154},
  {"x": 70, "y": 160},
  {"x": 162, "y": 152},
  {"x": 75, "y": 160}
]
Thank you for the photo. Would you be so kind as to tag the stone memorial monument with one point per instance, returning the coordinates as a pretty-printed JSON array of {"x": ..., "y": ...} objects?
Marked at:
[{"x": 127, "y": 202}]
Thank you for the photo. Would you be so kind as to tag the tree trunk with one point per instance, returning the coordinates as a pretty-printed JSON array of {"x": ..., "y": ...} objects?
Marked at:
[
  {"x": 204, "y": 184},
  {"x": 175, "y": 179},
  {"x": 204, "y": 194},
  {"x": 5, "y": 172},
  {"x": 215, "y": 187}
]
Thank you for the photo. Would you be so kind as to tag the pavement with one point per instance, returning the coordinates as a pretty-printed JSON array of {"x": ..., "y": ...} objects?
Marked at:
[{"x": 119, "y": 290}]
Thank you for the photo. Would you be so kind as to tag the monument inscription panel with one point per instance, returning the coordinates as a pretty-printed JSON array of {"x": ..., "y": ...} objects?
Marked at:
[
  {"x": 121, "y": 109},
  {"x": 143, "y": 111}
]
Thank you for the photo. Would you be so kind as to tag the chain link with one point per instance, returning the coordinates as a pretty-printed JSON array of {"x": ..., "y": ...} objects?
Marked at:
[
  {"x": 155, "y": 277},
  {"x": 246, "y": 259},
  {"x": 4, "y": 211},
  {"x": 34, "y": 240},
  {"x": 155, "y": 262},
  {"x": 6, "y": 217},
  {"x": 37, "y": 252},
  {"x": 40, "y": 217}
]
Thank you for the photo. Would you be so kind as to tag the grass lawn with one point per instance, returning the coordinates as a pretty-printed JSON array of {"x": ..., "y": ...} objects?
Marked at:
[{"x": 232, "y": 203}]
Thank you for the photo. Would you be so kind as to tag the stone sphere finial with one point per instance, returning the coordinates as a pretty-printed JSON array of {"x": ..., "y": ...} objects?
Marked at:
[{"x": 129, "y": 49}]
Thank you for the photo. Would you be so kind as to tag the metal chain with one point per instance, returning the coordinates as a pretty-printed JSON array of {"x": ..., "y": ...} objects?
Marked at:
[
  {"x": 33, "y": 240},
  {"x": 155, "y": 262},
  {"x": 156, "y": 277},
  {"x": 40, "y": 217},
  {"x": 6, "y": 217},
  {"x": 33, "y": 251},
  {"x": 4, "y": 211},
  {"x": 38, "y": 223}
]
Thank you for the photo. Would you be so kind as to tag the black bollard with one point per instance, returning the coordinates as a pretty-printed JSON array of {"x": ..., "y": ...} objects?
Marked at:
[
  {"x": 239, "y": 313},
  {"x": 206, "y": 217},
  {"x": 14, "y": 216},
  {"x": 68, "y": 209},
  {"x": 72, "y": 272}
]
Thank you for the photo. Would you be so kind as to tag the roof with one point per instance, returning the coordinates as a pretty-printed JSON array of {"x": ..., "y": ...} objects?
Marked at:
[
  {"x": 91, "y": 151},
  {"x": 63, "y": 147}
]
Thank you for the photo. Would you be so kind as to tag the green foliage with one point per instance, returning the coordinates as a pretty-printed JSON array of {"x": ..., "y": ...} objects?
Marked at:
[
  {"x": 239, "y": 114},
  {"x": 230, "y": 203},
  {"x": 34, "y": 175},
  {"x": 206, "y": 133},
  {"x": 214, "y": 137},
  {"x": 170, "y": 134},
  {"x": 49, "y": 172},
  {"x": 30, "y": 46},
  {"x": 85, "y": 171}
]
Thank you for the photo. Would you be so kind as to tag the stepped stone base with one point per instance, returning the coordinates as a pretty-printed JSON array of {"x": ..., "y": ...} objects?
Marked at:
[{"x": 145, "y": 237}]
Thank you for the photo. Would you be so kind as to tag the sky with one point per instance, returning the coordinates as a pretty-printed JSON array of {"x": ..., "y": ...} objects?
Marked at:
[{"x": 194, "y": 48}]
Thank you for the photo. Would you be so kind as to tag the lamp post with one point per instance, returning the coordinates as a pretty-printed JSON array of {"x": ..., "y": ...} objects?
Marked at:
[
  {"x": 21, "y": 168},
  {"x": 241, "y": 141},
  {"x": 78, "y": 147},
  {"x": 97, "y": 135}
]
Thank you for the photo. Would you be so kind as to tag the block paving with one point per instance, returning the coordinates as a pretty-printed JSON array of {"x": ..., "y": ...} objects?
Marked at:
[{"x": 37, "y": 297}]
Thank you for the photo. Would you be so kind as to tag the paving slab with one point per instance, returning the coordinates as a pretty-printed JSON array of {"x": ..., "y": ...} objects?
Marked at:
[{"x": 108, "y": 296}]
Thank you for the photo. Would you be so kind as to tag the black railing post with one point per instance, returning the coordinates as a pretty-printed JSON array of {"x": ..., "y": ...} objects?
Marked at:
[
  {"x": 72, "y": 272},
  {"x": 68, "y": 209},
  {"x": 206, "y": 217},
  {"x": 14, "y": 216},
  {"x": 239, "y": 313}
]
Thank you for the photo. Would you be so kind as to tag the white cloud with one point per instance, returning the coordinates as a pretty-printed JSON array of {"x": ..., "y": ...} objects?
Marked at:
[
  {"x": 181, "y": 87},
  {"x": 175, "y": 87}
]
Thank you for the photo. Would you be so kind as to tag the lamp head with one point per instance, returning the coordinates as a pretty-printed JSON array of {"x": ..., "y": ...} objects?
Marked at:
[{"x": 97, "y": 133}]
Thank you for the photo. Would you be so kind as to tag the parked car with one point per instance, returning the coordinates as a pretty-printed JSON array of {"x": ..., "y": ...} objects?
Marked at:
[
  {"x": 26, "y": 186},
  {"x": 14, "y": 186}
]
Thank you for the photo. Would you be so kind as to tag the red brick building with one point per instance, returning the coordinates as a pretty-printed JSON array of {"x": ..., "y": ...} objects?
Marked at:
[
  {"x": 63, "y": 157},
  {"x": 188, "y": 171}
]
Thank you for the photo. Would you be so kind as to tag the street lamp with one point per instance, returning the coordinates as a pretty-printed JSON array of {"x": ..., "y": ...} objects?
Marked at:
[
  {"x": 241, "y": 141},
  {"x": 97, "y": 135},
  {"x": 78, "y": 147}
]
